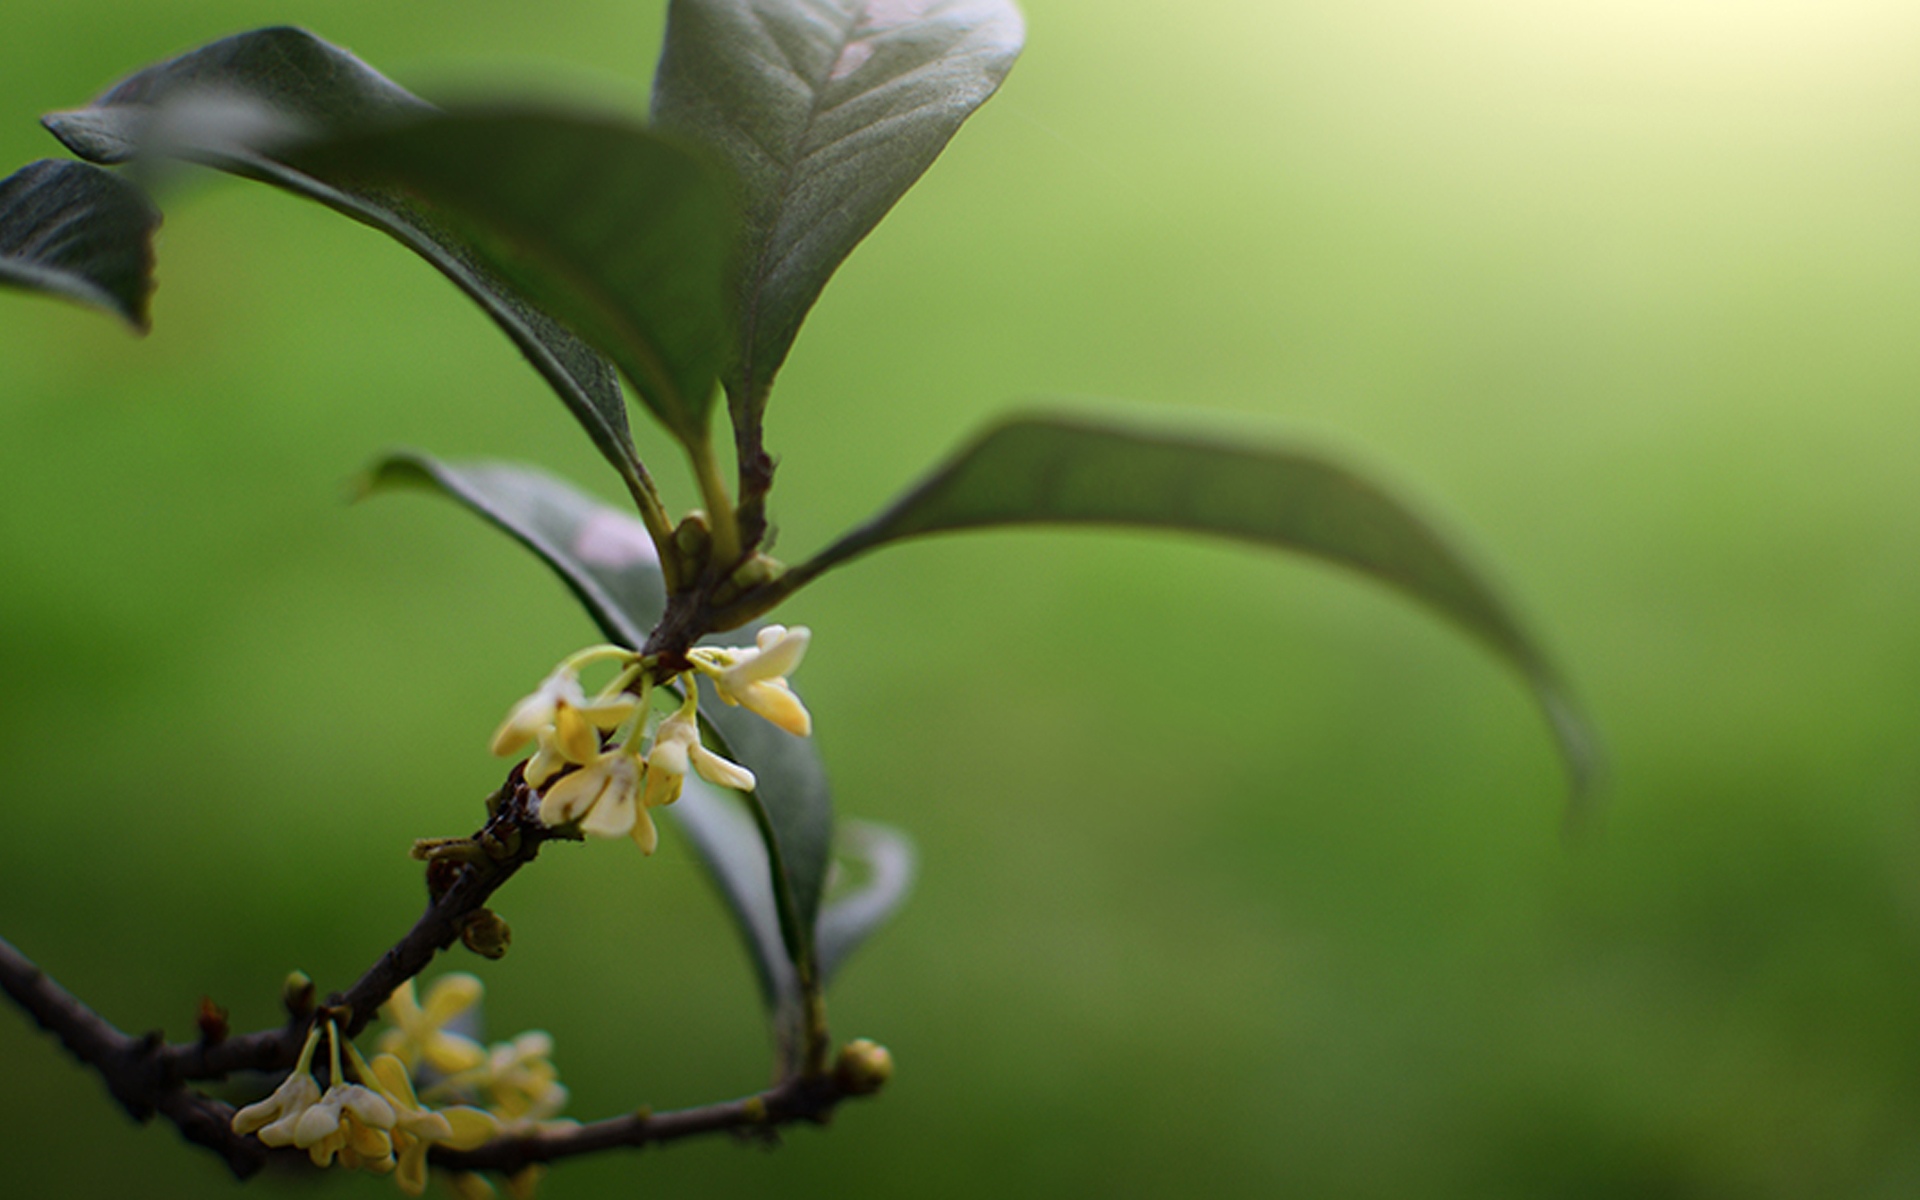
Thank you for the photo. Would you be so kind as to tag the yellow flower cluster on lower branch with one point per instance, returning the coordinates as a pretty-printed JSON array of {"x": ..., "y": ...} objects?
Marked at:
[
  {"x": 428, "y": 1086},
  {"x": 606, "y": 785}
]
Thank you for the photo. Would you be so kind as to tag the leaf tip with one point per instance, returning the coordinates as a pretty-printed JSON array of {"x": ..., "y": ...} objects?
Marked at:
[{"x": 400, "y": 468}]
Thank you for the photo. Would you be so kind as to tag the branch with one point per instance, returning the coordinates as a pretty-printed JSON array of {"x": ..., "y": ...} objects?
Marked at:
[
  {"x": 129, "y": 1066},
  {"x": 148, "y": 1077},
  {"x": 510, "y": 839},
  {"x": 809, "y": 1099}
]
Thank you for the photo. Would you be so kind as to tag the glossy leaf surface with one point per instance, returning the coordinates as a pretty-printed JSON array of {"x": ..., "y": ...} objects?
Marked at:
[
  {"x": 620, "y": 233},
  {"x": 72, "y": 230},
  {"x": 605, "y": 557},
  {"x": 828, "y": 110},
  {"x": 1042, "y": 470},
  {"x": 294, "y": 81}
]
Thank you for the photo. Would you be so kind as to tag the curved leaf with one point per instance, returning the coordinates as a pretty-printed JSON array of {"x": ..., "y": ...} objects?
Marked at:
[
  {"x": 68, "y": 229},
  {"x": 828, "y": 110},
  {"x": 1068, "y": 471},
  {"x": 850, "y": 919},
  {"x": 792, "y": 796},
  {"x": 730, "y": 846},
  {"x": 618, "y": 232},
  {"x": 605, "y": 557},
  {"x": 320, "y": 88}
]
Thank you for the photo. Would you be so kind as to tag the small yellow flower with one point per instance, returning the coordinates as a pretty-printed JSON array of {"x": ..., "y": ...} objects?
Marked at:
[
  {"x": 560, "y": 710},
  {"x": 676, "y": 747},
  {"x": 755, "y": 678},
  {"x": 419, "y": 1032},
  {"x": 600, "y": 795},
  {"x": 522, "y": 1081},
  {"x": 417, "y": 1128},
  {"x": 350, "y": 1121},
  {"x": 276, "y": 1116}
]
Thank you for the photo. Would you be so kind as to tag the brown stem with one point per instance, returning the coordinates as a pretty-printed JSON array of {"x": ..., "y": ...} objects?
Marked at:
[
  {"x": 148, "y": 1077},
  {"x": 129, "y": 1066},
  {"x": 800, "y": 1099},
  {"x": 509, "y": 840}
]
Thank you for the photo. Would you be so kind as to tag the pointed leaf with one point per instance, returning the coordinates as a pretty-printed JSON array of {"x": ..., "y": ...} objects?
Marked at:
[
  {"x": 68, "y": 229},
  {"x": 603, "y": 555},
  {"x": 850, "y": 919},
  {"x": 1058, "y": 470},
  {"x": 792, "y": 792},
  {"x": 618, "y": 232},
  {"x": 321, "y": 88},
  {"x": 828, "y": 110},
  {"x": 729, "y": 845},
  {"x": 606, "y": 558},
  {"x": 728, "y": 842}
]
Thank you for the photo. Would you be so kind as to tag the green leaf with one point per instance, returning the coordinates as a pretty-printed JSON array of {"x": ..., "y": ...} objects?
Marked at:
[
  {"x": 605, "y": 557},
  {"x": 68, "y": 229},
  {"x": 1038, "y": 470},
  {"x": 319, "y": 88},
  {"x": 828, "y": 110},
  {"x": 729, "y": 845},
  {"x": 792, "y": 793},
  {"x": 728, "y": 842},
  {"x": 851, "y": 918},
  {"x": 620, "y": 233}
]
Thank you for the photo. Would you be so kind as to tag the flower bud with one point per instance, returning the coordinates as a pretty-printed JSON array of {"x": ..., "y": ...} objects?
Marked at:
[
  {"x": 694, "y": 541},
  {"x": 298, "y": 994},
  {"x": 486, "y": 933},
  {"x": 753, "y": 573},
  {"x": 863, "y": 1067}
]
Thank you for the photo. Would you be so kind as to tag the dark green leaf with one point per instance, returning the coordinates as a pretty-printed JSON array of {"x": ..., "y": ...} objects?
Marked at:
[
  {"x": 289, "y": 77},
  {"x": 792, "y": 792},
  {"x": 613, "y": 229},
  {"x": 828, "y": 110},
  {"x": 606, "y": 558},
  {"x": 850, "y": 918},
  {"x": 728, "y": 842},
  {"x": 68, "y": 229},
  {"x": 1052, "y": 470},
  {"x": 602, "y": 554}
]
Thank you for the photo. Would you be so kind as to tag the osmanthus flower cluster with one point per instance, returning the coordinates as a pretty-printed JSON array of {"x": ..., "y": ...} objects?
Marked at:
[
  {"x": 427, "y": 1086},
  {"x": 597, "y": 764}
]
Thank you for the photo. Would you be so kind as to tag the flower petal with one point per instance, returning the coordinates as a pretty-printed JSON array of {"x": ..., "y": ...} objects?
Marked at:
[
  {"x": 725, "y": 772},
  {"x": 451, "y": 995}
]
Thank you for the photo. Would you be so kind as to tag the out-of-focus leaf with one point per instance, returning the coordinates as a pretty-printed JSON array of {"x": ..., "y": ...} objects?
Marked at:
[
  {"x": 1053, "y": 470},
  {"x": 793, "y": 793},
  {"x": 849, "y": 919},
  {"x": 197, "y": 107},
  {"x": 68, "y": 229},
  {"x": 620, "y": 233},
  {"x": 602, "y": 554},
  {"x": 728, "y": 842},
  {"x": 608, "y": 561},
  {"x": 828, "y": 110}
]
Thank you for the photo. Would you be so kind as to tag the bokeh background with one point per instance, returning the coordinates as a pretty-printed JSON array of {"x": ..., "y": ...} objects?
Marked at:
[{"x": 1241, "y": 878}]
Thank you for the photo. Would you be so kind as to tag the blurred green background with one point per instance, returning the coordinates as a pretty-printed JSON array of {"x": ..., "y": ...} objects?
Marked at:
[{"x": 1241, "y": 878}]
